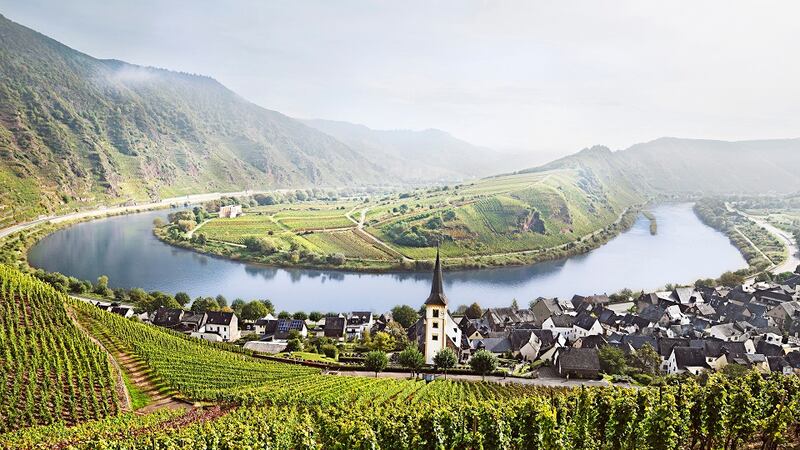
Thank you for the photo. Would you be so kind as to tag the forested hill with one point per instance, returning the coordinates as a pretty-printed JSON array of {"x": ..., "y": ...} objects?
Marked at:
[
  {"x": 673, "y": 165},
  {"x": 419, "y": 155},
  {"x": 73, "y": 127}
]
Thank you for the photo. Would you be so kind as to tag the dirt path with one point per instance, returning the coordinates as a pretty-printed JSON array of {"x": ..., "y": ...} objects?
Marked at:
[
  {"x": 122, "y": 392},
  {"x": 139, "y": 375}
]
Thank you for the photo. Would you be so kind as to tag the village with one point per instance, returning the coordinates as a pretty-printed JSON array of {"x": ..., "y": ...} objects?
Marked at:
[{"x": 686, "y": 330}]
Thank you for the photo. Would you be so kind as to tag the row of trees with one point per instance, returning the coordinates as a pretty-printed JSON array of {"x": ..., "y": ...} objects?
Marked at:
[{"x": 482, "y": 362}]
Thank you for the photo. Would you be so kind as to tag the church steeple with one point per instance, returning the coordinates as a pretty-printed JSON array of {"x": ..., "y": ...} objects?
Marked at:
[{"x": 437, "y": 296}]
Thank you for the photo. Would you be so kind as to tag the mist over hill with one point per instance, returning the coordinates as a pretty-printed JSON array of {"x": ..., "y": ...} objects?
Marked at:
[
  {"x": 419, "y": 155},
  {"x": 698, "y": 166}
]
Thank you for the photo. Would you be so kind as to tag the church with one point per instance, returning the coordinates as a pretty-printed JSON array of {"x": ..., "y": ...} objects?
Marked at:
[{"x": 436, "y": 329}]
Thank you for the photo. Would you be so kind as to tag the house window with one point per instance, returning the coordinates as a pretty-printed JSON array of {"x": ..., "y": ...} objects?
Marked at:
[
  {"x": 435, "y": 324},
  {"x": 435, "y": 337},
  {"x": 435, "y": 313}
]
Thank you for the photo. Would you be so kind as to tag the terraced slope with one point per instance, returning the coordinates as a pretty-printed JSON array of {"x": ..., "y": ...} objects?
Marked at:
[{"x": 49, "y": 370}]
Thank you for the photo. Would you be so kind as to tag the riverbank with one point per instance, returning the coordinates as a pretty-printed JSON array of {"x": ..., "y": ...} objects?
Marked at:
[
  {"x": 307, "y": 260},
  {"x": 762, "y": 249}
]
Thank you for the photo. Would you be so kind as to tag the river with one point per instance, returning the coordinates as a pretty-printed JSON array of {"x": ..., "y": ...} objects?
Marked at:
[{"x": 124, "y": 248}]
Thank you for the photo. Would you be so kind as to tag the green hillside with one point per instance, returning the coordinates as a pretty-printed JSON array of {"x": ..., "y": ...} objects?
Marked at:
[
  {"x": 504, "y": 220},
  {"x": 75, "y": 129}
]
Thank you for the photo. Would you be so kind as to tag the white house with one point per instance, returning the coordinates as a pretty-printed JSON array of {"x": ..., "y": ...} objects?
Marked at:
[
  {"x": 560, "y": 325},
  {"x": 225, "y": 324},
  {"x": 586, "y": 325},
  {"x": 230, "y": 211},
  {"x": 357, "y": 323}
]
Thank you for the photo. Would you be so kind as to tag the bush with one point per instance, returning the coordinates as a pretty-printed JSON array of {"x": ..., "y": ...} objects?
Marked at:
[
  {"x": 330, "y": 351},
  {"x": 643, "y": 379},
  {"x": 294, "y": 345}
]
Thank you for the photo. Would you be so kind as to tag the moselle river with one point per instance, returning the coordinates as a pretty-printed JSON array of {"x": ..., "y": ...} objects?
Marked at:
[{"x": 124, "y": 248}]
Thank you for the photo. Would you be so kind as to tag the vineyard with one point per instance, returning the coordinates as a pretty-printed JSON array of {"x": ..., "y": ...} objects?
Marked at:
[
  {"x": 49, "y": 372},
  {"x": 348, "y": 243},
  {"x": 255, "y": 403}
]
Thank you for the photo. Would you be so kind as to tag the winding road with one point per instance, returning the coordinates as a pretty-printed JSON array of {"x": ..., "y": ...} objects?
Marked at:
[{"x": 792, "y": 261}]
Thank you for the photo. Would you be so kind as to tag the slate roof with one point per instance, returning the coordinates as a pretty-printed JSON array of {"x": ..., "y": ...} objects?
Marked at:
[
  {"x": 167, "y": 317},
  {"x": 767, "y": 349},
  {"x": 519, "y": 338},
  {"x": 777, "y": 363},
  {"x": 666, "y": 345},
  {"x": 585, "y": 321},
  {"x": 690, "y": 357},
  {"x": 219, "y": 318},
  {"x": 584, "y": 359},
  {"x": 562, "y": 321},
  {"x": 494, "y": 345}
]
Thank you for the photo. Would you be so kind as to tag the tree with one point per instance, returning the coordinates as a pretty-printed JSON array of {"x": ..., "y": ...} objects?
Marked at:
[
  {"x": 101, "y": 287},
  {"x": 294, "y": 345},
  {"x": 299, "y": 315},
  {"x": 444, "y": 360},
  {"x": 376, "y": 361},
  {"x": 735, "y": 371},
  {"x": 158, "y": 222},
  {"x": 514, "y": 304},
  {"x": 139, "y": 298},
  {"x": 383, "y": 341},
  {"x": 646, "y": 359},
  {"x": 731, "y": 279},
  {"x": 284, "y": 315},
  {"x": 411, "y": 359},
  {"x": 221, "y": 301},
  {"x": 120, "y": 295},
  {"x": 404, "y": 315},
  {"x": 182, "y": 298},
  {"x": 269, "y": 305},
  {"x": 259, "y": 245},
  {"x": 612, "y": 360},
  {"x": 316, "y": 316},
  {"x": 483, "y": 362},
  {"x": 238, "y": 305},
  {"x": 399, "y": 334},
  {"x": 474, "y": 311},
  {"x": 254, "y": 311},
  {"x": 159, "y": 299},
  {"x": 203, "y": 304}
]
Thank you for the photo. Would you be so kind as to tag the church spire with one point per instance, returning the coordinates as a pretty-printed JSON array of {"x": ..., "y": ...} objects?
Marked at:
[{"x": 437, "y": 296}]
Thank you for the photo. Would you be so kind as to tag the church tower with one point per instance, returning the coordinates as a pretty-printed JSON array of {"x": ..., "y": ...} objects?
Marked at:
[{"x": 435, "y": 315}]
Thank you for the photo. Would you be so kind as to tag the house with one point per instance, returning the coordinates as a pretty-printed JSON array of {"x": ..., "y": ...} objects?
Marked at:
[
  {"x": 578, "y": 363},
  {"x": 586, "y": 325},
  {"x": 543, "y": 308},
  {"x": 260, "y": 325},
  {"x": 191, "y": 321},
  {"x": 687, "y": 359},
  {"x": 230, "y": 211},
  {"x": 124, "y": 311},
  {"x": 779, "y": 364},
  {"x": 525, "y": 343},
  {"x": 167, "y": 317},
  {"x": 784, "y": 314},
  {"x": 225, "y": 324},
  {"x": 335, "y": 327},
  {"x": 501, "y": 319},
  {"x": 436, "y": 329},
  {"x": 357, "y": 323},
  {"x": 560, "y": 325},
  {"x": 281, "y": 329}
]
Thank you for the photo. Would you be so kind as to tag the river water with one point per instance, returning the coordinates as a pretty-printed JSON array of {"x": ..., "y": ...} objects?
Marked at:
[{"x": 124, "y": 248}]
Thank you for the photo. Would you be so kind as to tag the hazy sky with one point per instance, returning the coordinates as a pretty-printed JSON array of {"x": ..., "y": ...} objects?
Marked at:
[{"x": 540, "y": 76}]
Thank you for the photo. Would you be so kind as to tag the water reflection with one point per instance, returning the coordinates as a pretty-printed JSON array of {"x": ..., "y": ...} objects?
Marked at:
[{"x": 125, "y": 249}]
